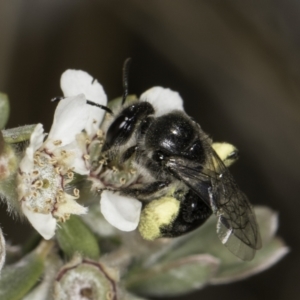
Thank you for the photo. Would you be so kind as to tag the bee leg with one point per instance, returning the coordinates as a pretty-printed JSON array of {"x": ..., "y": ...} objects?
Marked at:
[
  {"x": 147, "y": 190},
  {"x": 193, "y": 212}
]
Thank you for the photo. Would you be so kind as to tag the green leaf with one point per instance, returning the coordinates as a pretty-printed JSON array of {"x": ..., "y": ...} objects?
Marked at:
[
  {"x": 44, "y": 289},
  {"x": 74, "y": 236},
  {"x": 264, "y": 259},
  {"x": 205, "y": 240},
  {"x": 128, "y": 296},
  {"x": 17, "y": 279},
  {"x": 18, "y": 134},
  {"x": 2, "y": 143},
  {"x": 4, "y": 110},
  {"x": 173, "y": 278},
  {"x": 273, "y": 249}
]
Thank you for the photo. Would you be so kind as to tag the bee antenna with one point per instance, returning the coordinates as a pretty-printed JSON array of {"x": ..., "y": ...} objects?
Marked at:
[
  {"x": 100, "y": 106},
  {"x": 126, "y": 66},
  {"x": 59, "y": 98}
]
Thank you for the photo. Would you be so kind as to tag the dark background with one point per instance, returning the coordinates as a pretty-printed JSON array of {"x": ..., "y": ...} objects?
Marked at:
[{"x": 235, "y": 63}]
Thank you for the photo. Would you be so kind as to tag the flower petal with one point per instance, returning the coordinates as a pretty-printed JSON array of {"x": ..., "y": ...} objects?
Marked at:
[
  {"x": 36, "y": 141},
  {"x": 2, "y": 249},
  {"x": 74, "y": 82},
  {"x": 70, "y": 118},
  {"x": 120, "y": 211},
  {"x": 69, "y": 206},
  {"x": 73, "y": 158},
  {"x": 44, "y": 224},
  {"x": 163, "y": 100}
]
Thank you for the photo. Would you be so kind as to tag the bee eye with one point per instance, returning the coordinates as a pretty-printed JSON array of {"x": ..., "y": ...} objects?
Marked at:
[
  {"x": 124, "y": 125},
  {"x": 195, "y": 152}
]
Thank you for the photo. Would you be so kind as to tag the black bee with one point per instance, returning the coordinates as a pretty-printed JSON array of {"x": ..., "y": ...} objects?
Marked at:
[
  {"x": 174, "y": 157},
  {"x": 175, "y": 151}
]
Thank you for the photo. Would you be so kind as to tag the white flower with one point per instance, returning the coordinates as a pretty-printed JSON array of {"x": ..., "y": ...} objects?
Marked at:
[
  {"x": 74, "y": 82},
  {"x": 48, "y": 166},
  {"x": 120, "y": 211},
  {"x": 43, "y": 174},
  {"x": 163, "y": 100},
  {"x": 2, "y": 250}
]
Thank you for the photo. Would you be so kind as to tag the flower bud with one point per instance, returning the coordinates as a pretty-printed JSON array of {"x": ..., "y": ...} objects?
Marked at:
[
  {"x": 86, "y": 279},
  {"x": 8, "y": 168}
]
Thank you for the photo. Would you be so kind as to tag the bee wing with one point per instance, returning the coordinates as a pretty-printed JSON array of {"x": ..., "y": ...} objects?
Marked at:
[{"x": 237, "y": 227}]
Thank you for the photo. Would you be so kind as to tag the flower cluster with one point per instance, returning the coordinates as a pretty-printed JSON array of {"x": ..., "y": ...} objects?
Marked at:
[
  {"x": 49, "y": 166},
  {"x": 57, "y": 181}
]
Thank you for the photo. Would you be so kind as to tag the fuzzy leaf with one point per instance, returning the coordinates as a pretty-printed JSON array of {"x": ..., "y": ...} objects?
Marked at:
[
  {"x": 18, "y": 134},
  {"x": 17, "y": 279},
  {"x": 4, "y": 110},
  {"x": 44, "y": 290},
  {"x": 265, "y": 258},
  {"x": 205, "y": 240},
  {"x": 74, "y": 236},
  {"x": 173, "y": 278}
]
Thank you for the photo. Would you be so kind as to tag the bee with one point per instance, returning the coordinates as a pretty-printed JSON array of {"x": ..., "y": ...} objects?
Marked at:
[
  {"x": 174, "y": 165},
  {"x": 175, "y": 159}
]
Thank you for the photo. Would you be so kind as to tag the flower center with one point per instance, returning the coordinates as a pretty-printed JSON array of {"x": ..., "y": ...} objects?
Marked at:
[{"x": 44, "y": 185}]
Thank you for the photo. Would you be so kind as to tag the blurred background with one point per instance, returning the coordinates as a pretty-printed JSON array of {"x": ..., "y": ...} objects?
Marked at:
[{"x": 235, "y": 63}]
